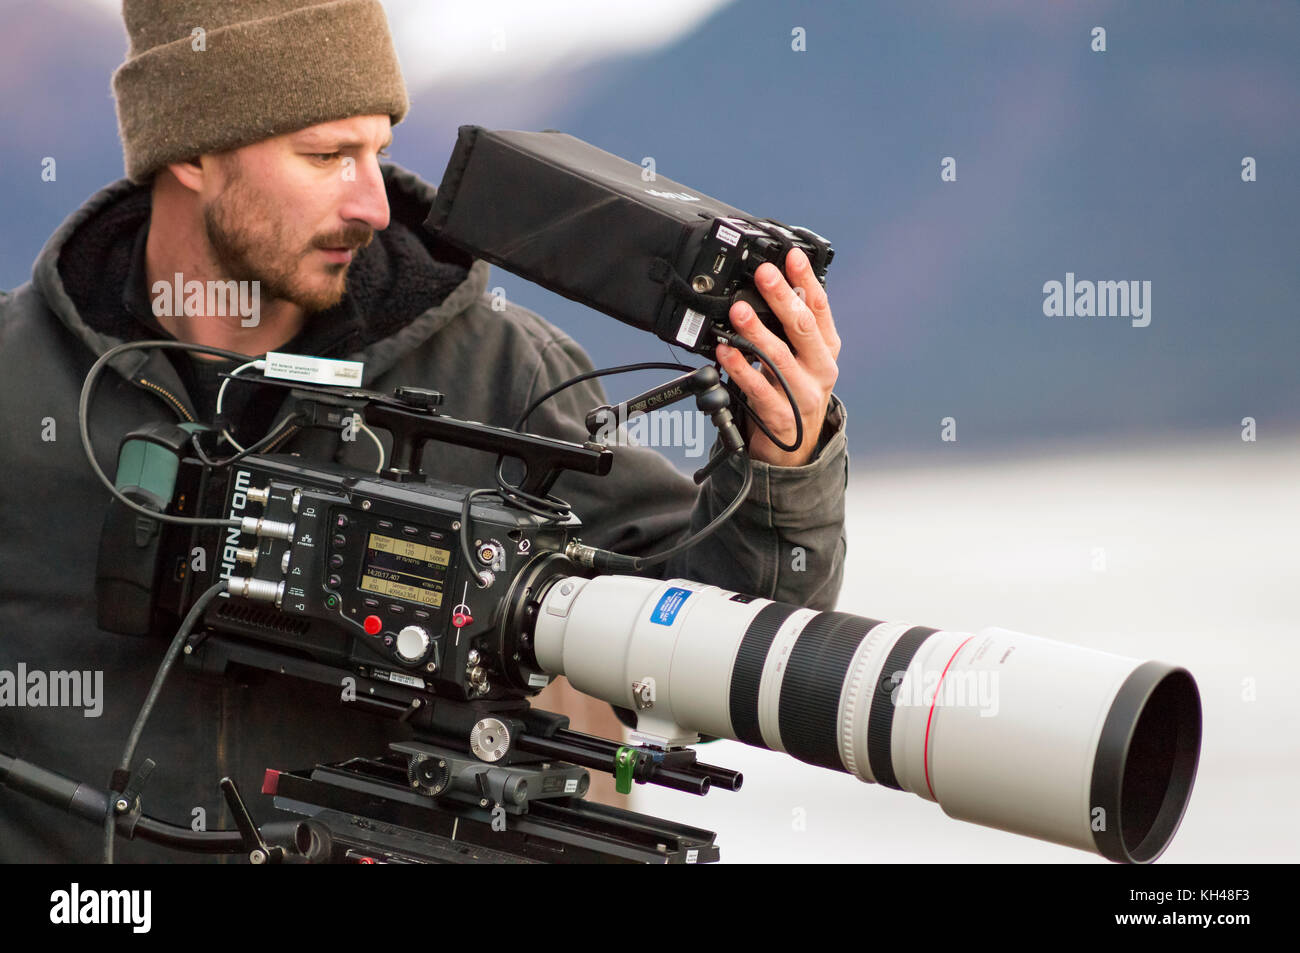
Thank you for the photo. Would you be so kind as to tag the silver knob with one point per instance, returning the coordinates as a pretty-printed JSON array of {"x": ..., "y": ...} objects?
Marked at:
[
  {"x": 412, "y": 643},
  {"x": 489, "y": 739}
]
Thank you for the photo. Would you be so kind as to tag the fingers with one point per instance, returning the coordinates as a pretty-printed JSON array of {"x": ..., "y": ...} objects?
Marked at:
[
  {"x": 801, "y": 323},
  {"x": 768, "y": 401},
  {"x": 745, "y": 320},
  {"x": 814, "y": 296},
  {"x": 755, "y": 385},
  {"x": 796, "y": 317}
]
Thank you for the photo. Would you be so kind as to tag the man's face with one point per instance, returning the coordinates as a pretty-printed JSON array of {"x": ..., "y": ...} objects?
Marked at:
[{"x": 290, "y": 212}]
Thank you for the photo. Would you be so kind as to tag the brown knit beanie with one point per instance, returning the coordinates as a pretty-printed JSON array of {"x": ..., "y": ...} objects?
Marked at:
[{"x": 211, "y": 75}]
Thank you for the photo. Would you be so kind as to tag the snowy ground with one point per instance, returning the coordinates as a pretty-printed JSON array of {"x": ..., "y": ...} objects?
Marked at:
[{"x": 1201, "y": 568}]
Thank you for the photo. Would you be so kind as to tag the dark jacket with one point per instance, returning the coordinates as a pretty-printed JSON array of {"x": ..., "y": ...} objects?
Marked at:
[{"x": 416, "y": 313}]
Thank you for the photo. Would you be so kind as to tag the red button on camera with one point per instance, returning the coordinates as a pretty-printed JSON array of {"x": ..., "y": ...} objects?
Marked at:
[{"x": 372, "y": 625}]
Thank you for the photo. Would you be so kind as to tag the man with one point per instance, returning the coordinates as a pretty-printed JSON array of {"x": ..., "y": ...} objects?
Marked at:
[{"x": 253, "y": 136}]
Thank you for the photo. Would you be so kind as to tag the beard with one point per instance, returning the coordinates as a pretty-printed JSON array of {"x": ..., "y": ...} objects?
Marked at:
[{"x": 250, "y": 246}]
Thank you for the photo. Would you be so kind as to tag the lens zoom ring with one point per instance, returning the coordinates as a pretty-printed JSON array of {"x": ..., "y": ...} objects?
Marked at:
[
  {"x": 747, "y": 673},
  {"x": 814, "y": 680},
  {"x": 880, "y": 723}
]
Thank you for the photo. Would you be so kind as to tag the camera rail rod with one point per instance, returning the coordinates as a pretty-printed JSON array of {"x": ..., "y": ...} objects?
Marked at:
[{"x": 675, "y": 769}]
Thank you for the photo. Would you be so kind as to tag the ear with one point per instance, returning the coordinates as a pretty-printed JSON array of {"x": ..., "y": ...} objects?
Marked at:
[{"x": 190, "y": 173}]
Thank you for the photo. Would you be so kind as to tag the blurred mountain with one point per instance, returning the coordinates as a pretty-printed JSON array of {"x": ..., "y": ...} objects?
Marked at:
[{"x": 1115, "y": 165}]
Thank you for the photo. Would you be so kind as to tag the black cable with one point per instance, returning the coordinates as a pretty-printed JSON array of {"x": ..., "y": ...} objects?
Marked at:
[
  {"x": 272, "y": 435},
  {"x": 608, "y": 561},
  {"x": 471, "y": 558},
  {"x": 605, "y": 559},
  {"x": 746, "y": 346},
  {"x": 137, "y": 729},
  {"x": 549, "y": 507},
  {"x": 83, "y": 424},
  {"x": 602, "y": 372}
]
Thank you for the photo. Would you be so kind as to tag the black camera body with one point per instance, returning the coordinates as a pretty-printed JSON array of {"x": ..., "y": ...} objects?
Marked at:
[
  {"x": 354, "y": 573},
  {"x": 367, "y": 575}
]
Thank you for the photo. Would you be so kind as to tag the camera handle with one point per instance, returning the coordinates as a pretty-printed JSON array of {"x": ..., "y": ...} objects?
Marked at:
[
  {"x": 411, "y": 417},
  {"x": 544, "y": 457}
]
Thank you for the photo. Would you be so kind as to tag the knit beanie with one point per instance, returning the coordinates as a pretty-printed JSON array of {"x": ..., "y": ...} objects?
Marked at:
[{"x": 210, "y": 75}]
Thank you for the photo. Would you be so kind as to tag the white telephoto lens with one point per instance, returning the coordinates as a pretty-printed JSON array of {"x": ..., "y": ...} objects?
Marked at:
[{"x": 1078, "y": 747}]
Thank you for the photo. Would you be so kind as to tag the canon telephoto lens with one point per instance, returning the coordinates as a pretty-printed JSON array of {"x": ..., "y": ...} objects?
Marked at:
[{"x": 1066, "y": 744}]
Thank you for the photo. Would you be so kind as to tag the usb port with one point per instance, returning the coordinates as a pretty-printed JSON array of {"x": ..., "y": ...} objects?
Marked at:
[{"x": 722, "y": 260}]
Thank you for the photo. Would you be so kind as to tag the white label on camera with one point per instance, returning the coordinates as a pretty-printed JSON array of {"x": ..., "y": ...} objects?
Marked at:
[
  {"x": 692, "y": 856},
  {"x": 537, "y": 680},
  {"x": 397, "y": 678},
  {"x": 571, "y": 786},
  {"x": 313, "y": 370},
  {"x": 689, "y": 332},
  {"x": 728, "y": 235}
]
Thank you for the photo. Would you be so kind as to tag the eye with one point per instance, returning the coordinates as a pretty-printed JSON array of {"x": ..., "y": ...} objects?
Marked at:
[{"x": 324, "y": 156}]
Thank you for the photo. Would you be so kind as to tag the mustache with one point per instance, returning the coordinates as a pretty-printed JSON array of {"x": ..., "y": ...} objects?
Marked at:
[{"x": 355, "y": 237}]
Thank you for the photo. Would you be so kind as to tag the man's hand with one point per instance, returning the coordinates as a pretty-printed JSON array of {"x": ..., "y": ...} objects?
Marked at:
[{"x": 805, "y": 314}]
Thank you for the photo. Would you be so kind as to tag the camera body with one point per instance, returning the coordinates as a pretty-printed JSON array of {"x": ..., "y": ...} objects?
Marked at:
[{"x": 358, "y": 573}]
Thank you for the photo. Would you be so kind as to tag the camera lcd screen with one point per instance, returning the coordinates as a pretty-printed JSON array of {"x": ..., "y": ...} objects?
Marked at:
[{"x": 404, "y": 570}]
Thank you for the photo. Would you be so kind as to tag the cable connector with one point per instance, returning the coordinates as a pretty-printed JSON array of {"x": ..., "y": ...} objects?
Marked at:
[{"x": 601, "y": 560}]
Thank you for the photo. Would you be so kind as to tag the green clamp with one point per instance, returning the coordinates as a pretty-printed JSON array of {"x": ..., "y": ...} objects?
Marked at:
[{"x": 625, "y": 760}]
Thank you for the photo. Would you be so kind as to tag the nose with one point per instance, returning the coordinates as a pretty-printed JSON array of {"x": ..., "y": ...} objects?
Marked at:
[{"x": 365, "y": 198}]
